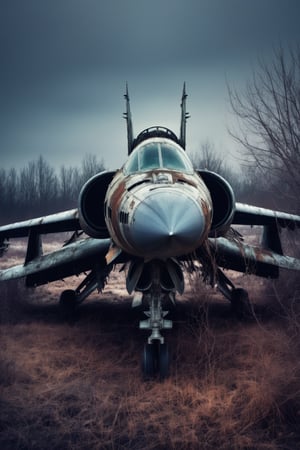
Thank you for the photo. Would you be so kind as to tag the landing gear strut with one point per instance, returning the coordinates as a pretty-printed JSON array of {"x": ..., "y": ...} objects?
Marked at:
[
  {"x": 238, "y": 297},
  {"x": 70, "y": 299},
  {"x": 156, "y": 320},
  {"x": 156, "y": 358}
]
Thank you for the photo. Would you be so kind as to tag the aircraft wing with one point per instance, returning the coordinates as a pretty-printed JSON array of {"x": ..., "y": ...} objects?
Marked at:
[
  {"x": 74, "y": 257},
  {"x": 256, "y": 260},
  {"x": 54, "y": 223},
  {"x": 264, "y": 259},
  {"x": 70, "y": 260},
  {"x": 253, "y": 215}
]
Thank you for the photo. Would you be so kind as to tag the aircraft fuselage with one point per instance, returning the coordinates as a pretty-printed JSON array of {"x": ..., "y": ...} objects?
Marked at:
[{"x": 157, "y": 206}]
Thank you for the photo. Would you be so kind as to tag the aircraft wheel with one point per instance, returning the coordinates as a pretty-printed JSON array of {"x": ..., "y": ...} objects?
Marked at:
[
  {"x": 164, "y": 361},
  {"x": 241, "y": 304},
  {"x": 67, "y": 303},
  {"x": 149, "y": 361}
]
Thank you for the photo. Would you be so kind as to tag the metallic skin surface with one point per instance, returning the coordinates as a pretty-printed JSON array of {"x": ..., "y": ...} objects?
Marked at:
[
  {"x": 159, "y": 213},
  {"x": 167, "y": 223}
]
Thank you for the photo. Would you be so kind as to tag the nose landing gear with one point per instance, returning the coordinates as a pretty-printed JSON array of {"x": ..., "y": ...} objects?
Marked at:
[
  {"x": 157, "y": 280},
  {"x": 156, "y": 358}
]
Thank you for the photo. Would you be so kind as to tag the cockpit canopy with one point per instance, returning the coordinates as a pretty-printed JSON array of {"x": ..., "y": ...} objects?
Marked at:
[{"x": 158, "y": 153}]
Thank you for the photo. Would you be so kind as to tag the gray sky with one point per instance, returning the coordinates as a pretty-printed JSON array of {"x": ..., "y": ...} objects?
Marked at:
[{"x": 64, "y": 65}]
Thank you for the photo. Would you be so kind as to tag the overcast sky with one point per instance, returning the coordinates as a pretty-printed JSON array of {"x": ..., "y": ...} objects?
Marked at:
[{"x": 64, "y": 65}]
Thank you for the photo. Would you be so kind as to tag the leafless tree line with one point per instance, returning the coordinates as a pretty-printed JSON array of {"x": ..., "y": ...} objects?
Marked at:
[
  {"x": 247, "y": 183},
  {"x": 39, "y": 189},
  {"x": 268, "y": 132},
  {"x": 268, "y": 111}
]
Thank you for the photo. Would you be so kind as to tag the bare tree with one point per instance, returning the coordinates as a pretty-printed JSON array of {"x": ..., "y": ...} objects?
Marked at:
[
  {"x": 38, "y": 184},
  {"x": 90, "y": 166},
  {"x": 70, "y": 182},
  {"x": 12, "y": 188},
  {"x": 208, "y": 158},
  {"x": 268, "y": 113},
  {"x": 3, "y": 184},
  {"x": 38, "y": 189},
  {"x": 46, "y": 183},
  {"x": 72, "y": 179},
  {"x": 28, "y": 190}
]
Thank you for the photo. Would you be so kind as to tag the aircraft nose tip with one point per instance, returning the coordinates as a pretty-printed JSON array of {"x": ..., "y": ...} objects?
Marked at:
[{"x": 167, "y": 224}]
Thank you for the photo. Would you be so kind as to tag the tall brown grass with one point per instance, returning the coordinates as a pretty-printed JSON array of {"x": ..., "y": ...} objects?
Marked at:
[{"x": 232, "y": 385}]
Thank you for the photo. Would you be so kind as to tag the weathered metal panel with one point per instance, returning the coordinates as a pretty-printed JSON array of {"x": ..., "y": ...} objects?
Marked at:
[
  {"x": 253, "y": 215},
  {"x": 69, "y": 260},
  {"x": 130, "y": 192},
  {"x": 54, "y": 223},
  {"x": 246, "y": 258}
]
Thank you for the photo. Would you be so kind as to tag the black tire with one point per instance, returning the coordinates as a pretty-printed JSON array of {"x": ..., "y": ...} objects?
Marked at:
[
  {"x": 241, "y": 304},
  {"x": 149, "y": 361},
  {"x": 164, "y": 361},
  {"x": 67, "y": 304}
]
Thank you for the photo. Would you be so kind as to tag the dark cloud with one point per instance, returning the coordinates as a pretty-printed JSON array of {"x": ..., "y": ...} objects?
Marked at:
[
  {"x": 43, "y": 40},
  {"x": 64, "y": 64}
]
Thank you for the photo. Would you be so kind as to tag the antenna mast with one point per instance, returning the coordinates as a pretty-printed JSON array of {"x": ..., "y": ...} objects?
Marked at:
[
  {"x": 184, "y": 116},
  {"x": 127, "y": 116}
]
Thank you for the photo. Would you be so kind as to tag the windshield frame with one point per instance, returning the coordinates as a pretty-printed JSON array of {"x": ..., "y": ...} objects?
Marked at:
[{"x": 135, "y": 165}]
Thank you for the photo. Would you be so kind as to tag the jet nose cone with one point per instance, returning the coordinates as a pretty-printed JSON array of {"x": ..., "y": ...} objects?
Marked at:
[{"x": 167, "y": 223}]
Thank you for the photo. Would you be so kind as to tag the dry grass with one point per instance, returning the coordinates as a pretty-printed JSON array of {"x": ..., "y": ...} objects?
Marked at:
[{"x": 78, "y": 386}]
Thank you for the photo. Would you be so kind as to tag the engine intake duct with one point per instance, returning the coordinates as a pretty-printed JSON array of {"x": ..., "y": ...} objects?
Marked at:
[
  {"x": 91, "y": 205},
  {"x": 223, "y": 201}
]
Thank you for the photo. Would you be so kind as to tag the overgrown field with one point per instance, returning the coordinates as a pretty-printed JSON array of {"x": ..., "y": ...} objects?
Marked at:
[{"x": 233, "y": 385}]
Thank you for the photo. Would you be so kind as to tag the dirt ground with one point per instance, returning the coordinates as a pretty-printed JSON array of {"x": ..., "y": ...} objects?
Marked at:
[{"x": 78, "y": 385}]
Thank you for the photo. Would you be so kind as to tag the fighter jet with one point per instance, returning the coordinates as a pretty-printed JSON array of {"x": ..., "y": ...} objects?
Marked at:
[{"x": 156, "y": 217}]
